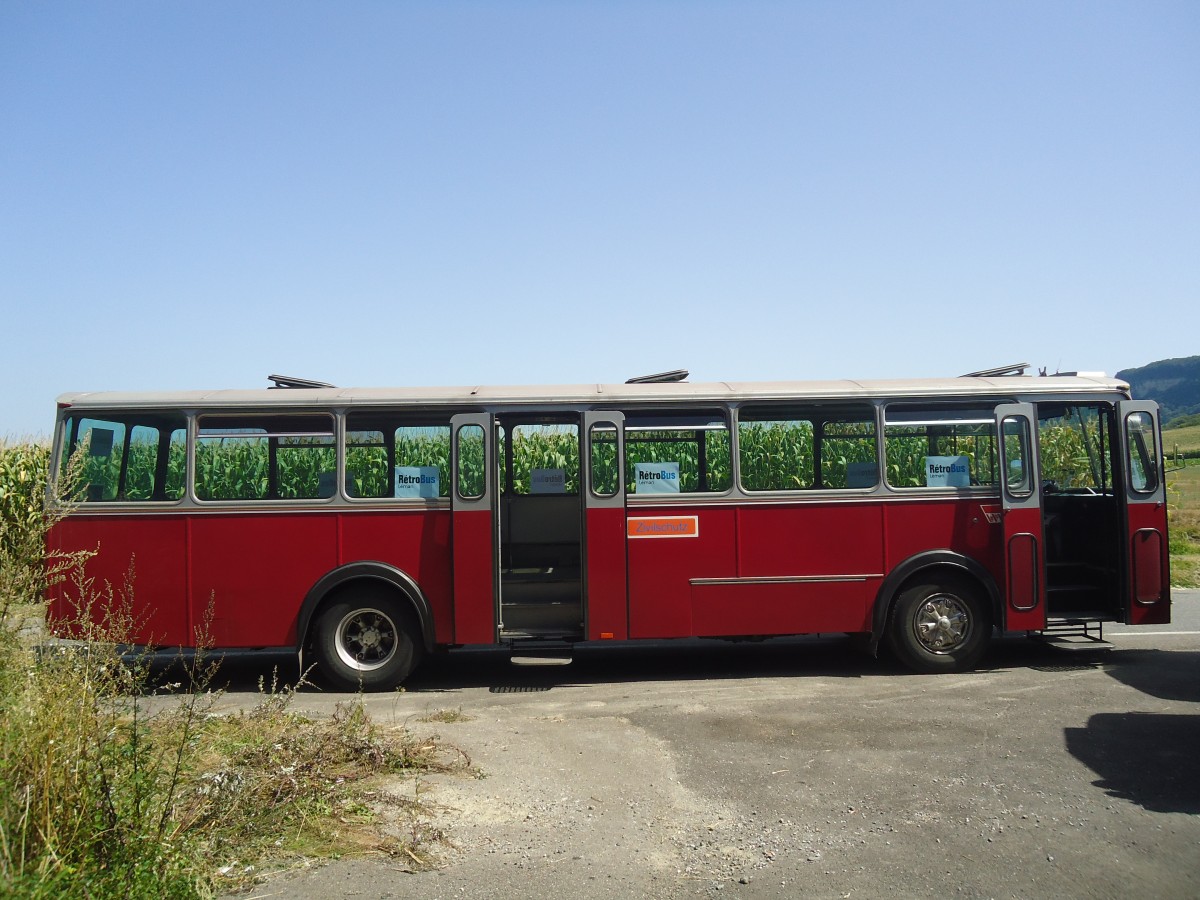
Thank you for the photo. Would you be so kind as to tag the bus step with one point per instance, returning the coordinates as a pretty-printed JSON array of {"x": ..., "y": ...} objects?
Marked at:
[
  {"x": 1073, "y": 642},
  {"x": 1074, "y": 633},
  {"x": 542, "y": 653}
]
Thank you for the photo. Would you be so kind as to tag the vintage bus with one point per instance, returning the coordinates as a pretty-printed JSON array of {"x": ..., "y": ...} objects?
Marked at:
[{"x": 367, "y": 528}]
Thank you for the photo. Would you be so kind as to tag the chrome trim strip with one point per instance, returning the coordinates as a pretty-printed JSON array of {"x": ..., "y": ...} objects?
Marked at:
[
  {"x": 958, "y": 495},
  {"x": 642, "y": 506},
  {"x": 783, "y": 579}
]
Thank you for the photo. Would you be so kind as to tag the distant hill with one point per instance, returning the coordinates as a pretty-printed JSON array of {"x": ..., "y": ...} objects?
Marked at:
[{"x": 1174, "y": 384}]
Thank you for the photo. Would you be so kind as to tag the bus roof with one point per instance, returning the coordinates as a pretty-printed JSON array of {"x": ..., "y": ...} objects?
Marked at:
[{"x": 598, "y": 394}]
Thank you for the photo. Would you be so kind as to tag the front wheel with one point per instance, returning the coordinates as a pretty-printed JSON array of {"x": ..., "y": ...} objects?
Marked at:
[
  {"x": 939, "y": 627},
  {"x": 366, "y": 641}
]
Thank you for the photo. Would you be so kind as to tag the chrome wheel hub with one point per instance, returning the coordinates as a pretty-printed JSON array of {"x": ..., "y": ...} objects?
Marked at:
[
  {"x": 943, "y": 623},
  {"x": 366, "y": 639}
]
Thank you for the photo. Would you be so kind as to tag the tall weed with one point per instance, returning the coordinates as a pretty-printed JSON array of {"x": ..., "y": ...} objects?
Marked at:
[
  {"x": 111, "y": 792},
  {"x": 23, "y": 471}
]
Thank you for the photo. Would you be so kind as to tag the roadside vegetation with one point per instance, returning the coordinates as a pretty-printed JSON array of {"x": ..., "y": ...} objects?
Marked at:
[
  {"x": 119, "y": 780},
  {"x": 1183, "y": 510},
  {"x": 1182, "y": 440},
  {"x": 1181, "y": 444}
]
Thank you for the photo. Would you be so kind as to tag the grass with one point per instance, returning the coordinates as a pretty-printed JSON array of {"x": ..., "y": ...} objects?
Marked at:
[
  {"x": 284, "y": 786},
  {"x": 446, "y": 716},
  {"x": 1183, "y": 510},
  {"x": 1182, "y": 440},
  {"x": 111, "y": 792}
]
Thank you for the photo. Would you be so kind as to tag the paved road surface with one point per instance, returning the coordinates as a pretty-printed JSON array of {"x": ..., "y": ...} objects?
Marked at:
[{"x": 800, "y": 768}]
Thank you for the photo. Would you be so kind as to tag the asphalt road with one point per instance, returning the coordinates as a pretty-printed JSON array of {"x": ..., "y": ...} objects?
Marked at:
[{"x": 803, "y": 768}]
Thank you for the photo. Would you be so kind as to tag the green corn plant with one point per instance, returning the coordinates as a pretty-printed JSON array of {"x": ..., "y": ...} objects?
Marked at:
[
  {"x": 773, "y": 456},
  {"x": 24, "y": 468},
  {"x": 544, "y": 449}
]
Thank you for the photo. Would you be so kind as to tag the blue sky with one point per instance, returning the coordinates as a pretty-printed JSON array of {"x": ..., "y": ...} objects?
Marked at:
[{"x": 195, "y": 195}]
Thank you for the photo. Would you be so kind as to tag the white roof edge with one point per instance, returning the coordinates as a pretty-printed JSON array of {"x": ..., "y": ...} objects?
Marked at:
[{"x": 608, "y": 393}]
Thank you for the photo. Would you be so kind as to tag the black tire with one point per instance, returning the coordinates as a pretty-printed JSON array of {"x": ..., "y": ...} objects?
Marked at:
[
  {"x": 939, "y": 626},
  {"x": 366, "y": 640}
]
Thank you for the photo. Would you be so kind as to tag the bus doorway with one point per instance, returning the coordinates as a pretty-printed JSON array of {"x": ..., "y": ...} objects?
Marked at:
[
  {"x": 541, "y": 528},
  {"x": 1096, "y": 473},
  {"x": 1082, "y": 511}
]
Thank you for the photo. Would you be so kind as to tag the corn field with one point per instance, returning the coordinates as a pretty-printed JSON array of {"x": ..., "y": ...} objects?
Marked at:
[
  {"x": 23, "y": 471},
  {"x": 773, "y": 456}
]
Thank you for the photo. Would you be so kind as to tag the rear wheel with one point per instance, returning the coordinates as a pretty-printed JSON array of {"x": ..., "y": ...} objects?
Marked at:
[
  {"x": 367, "y": 640},
  {"x": 940, "y": 626}
]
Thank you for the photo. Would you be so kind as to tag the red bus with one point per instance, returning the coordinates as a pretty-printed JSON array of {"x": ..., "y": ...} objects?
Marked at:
[{"x": 367, "y": 528}]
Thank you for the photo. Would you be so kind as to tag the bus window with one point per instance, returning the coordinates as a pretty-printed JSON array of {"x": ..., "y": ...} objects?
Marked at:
[
  {"x": 368, "y": 471},
  {"x": 471, "y": 462},
  {"x": 545, "y": 458},
  {"x": 100, "y": 443},
  {"x": 422, "y": 461},
  {"x": 1071, "y": 448},
  {"x": 1017, "y": 479},
  {"x": 940, "y": 445},
  {"x": 605, "y": 475},
  {"x": 269, "y": 457},
  {"x": 175, "y": 483},
  {"x": 130, "y": 458},
  {"x": 1143, "y": 452},
  {"x": 390, "y": 458},
  {"x": 677, "y": 452},
  {"x": 789, "y": 449}
]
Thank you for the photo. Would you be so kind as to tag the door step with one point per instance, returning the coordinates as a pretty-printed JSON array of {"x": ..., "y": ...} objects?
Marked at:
[
  {"x": 541, "y": 660},
  {"x": 1072, "y": 633},
  {"x": 1073, "y": 642},
  {"x": 542, "y": 653}
]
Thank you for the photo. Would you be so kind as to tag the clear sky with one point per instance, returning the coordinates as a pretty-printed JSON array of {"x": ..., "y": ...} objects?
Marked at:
[{"x": 198, "y": 194}]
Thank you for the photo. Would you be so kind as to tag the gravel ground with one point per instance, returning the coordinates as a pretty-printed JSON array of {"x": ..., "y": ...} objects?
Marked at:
[{"x": 801, "y": 769}]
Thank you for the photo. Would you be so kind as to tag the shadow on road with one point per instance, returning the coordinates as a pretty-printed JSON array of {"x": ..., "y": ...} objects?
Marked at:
[
  {"x": 1168, "y": 675},
  {"x": 682, "y": 660},
  {"x": 1146, "y": 758}
]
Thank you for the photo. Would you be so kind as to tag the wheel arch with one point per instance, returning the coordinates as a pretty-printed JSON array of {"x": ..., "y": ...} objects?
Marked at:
[
  {"x": 365, "y": 573},
  {"x": 925, "y": 564}
]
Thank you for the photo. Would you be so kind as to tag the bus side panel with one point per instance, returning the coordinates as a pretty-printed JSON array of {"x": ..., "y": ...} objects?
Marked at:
[
  {"x": 837, "y": 547},
  {"x": 150, "y": 550},
  {"x": 971, "y": 527},
  {"x": 474, "y": 573},
  {"x": 779, "y": 608},
  {"x": 255, "y": 570},
  {"x": 1149, "y": 576},
  {"x": 607, "y": 606},
  {"x": 416, "y": 542},
  {"x": 661, "y": 568}
]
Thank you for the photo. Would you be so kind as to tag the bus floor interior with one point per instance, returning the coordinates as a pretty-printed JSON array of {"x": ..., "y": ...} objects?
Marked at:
[
  {"x": 541, "y": 584},
  {"x": 1082, "y": 538}
]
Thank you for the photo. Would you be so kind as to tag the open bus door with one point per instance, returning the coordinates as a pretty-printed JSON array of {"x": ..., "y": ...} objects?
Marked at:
[
  {"x": 1021, "y": 500},
  {"x": 604, "y": 527},
  {"x": 473, "y": 530},
  {"x": 1147, "y": 563}
]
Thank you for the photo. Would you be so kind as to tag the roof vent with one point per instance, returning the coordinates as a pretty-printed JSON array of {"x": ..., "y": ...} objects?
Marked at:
[
  {"x": 999, "y": 371},
  {"x": 287, "y": 381},
  {"x": 661, "y": 377}
]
